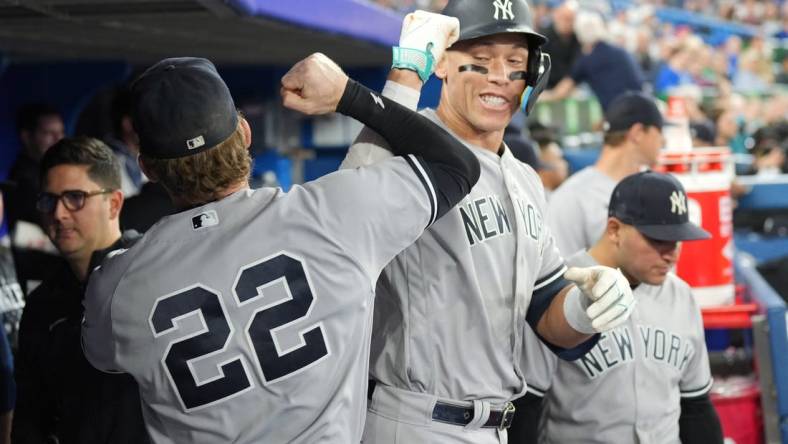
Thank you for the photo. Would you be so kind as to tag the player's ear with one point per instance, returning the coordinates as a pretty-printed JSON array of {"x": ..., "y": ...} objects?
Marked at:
[
  {"x": 247, "y": 132},
  {"x": 115, "y": 204},
  {"x": 613, "y": 230},
  {"x": 636, "y": 132},
  {"x": 441, "y": 68}
]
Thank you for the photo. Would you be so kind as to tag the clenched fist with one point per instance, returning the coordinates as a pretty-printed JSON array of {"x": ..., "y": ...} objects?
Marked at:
[
  {"x": 314, "y": 85},
  {"x": 601, "y": 301}
]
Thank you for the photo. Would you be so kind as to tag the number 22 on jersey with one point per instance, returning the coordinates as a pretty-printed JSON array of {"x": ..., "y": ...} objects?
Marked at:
[{"x": 272, "y": 364}]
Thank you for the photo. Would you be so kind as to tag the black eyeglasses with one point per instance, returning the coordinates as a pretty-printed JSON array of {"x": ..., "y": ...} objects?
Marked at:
[{"x": 73, "y": 200}]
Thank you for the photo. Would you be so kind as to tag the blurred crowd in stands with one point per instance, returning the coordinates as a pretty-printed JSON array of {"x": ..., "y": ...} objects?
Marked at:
[{"x": 731, "y": 68}]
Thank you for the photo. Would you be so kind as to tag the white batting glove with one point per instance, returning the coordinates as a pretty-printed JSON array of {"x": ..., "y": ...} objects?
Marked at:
[
  {"x": 420, "y": 28},
  {"x": 601, "y": 300}
]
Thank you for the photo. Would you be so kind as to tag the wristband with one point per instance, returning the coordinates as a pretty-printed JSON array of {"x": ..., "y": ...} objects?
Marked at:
[
  {"x": 575, "y": 306},
  {"x": 421, "y": 62}
]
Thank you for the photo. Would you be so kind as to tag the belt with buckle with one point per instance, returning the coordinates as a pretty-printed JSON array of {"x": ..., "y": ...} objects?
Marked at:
[{"x": 460, "y": 415}]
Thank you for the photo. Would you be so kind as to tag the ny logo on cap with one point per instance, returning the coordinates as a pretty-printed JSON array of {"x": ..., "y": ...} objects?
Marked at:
[
  {"x": 678, "y": 203},
  {"x": 505, "y": 8},
  {"x": 195, "y": 143}
]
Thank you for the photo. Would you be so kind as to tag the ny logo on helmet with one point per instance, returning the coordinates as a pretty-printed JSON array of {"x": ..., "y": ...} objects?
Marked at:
[
  {"x": 504, "y": 7},
  {"x": 678, "y": 203}
]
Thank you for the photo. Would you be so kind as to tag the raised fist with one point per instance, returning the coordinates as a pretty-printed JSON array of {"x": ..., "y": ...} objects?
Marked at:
[{"x": 314, "y": 85}]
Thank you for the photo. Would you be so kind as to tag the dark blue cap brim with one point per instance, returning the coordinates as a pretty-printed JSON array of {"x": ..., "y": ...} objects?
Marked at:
[{"x": 675, "y": 232}]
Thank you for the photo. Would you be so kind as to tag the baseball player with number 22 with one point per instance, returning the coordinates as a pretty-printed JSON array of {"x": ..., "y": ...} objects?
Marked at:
[
  {"x": 450, "y": 310},
  {"x": 246, "y": 316}
]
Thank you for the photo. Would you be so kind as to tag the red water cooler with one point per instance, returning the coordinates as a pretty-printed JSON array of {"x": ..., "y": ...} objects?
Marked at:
[{"x": 706, "y": 265}]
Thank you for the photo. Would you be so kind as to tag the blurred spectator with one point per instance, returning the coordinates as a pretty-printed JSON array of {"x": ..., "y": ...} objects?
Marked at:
[
  {"x": 761, "y": 52},
  {"x": 730, "y": 131},
  {"x": 541, "y": 15},
  {"x": 12, "y": 299},
  {"x": 770, "y": 144},
  {"x": 554, "y": 168},
  {"x": 702, "y": 134},
  {"x": 609, "y": 70},
  {"x": 61, "y": 398},
  {"x": 11, "y": 302},
  {"x": 732, "y": 50},
  {"x": 405, "y": 6},
  {"x": 775, "y": 110},
  {"x": 771, "y": 19},
  {"x": 643, "y": 52},
  {"x": 782, "y": 77},
  {"x": 747, "y": 79},
  {"x": 140, "y": 212},
  {"x": 562, "y": 44},
  {"x": 39, "y": 126},
  {"x": 782, "y": 33},
  {"x": 125, "y": 143},
  {"x": 769, "y": 160},
  {"x": 674, "y": 73},
  {"x": 751, "y": 12}
]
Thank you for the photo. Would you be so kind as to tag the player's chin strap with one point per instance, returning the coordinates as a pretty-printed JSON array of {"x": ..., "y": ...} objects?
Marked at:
[{"x": 531, "y": 93}]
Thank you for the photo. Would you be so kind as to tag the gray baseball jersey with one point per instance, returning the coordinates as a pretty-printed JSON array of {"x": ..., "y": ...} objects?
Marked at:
[
  {"x": 247, "y": 320},
  {"x": 450, "y": 309},
  {"x": 628, "y": 388},
  {"x": 577, "y": 210}
]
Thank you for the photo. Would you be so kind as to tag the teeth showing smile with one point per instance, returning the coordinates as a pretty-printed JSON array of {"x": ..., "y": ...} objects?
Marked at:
[{"x": 493, "y": 100}]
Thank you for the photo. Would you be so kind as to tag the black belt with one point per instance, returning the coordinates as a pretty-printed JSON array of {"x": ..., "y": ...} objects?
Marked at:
[{"x": 459, "y": 415}]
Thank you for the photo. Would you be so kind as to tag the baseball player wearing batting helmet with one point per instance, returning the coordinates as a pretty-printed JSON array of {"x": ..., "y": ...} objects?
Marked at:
[
  {"x": 648, "y": 379},
  {"x": 246, "y": 316},
  {"x": 450, "y": 310}
]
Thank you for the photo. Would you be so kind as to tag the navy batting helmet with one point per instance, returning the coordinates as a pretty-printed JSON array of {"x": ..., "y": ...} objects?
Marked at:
[{"x": 479, "y": 18}]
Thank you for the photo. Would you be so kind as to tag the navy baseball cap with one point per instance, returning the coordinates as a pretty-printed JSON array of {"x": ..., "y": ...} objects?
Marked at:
[
  {"x": 180, "y": 107},
  {"x": 630, "y": 108},
  {"x": 656, "y": 205},
  {"x": 703, "y": 131}
]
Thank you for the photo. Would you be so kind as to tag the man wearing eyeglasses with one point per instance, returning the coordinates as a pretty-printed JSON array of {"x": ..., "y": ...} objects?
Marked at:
[{"x": 61, "y": 397}]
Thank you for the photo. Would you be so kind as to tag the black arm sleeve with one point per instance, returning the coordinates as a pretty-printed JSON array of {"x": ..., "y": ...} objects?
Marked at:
[
  {"x": 450, "y": 169},
  {"x": 525, "y": 425},
  {"x": 698, "y": 422}
]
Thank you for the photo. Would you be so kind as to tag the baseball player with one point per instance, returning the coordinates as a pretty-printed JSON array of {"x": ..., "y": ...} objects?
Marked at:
[
  {"x": 647, "y": 380},
  {"x": 246, "y": 316},
  {"x": 633, "y": 137},
  {"x": 450, "y": 309}
]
